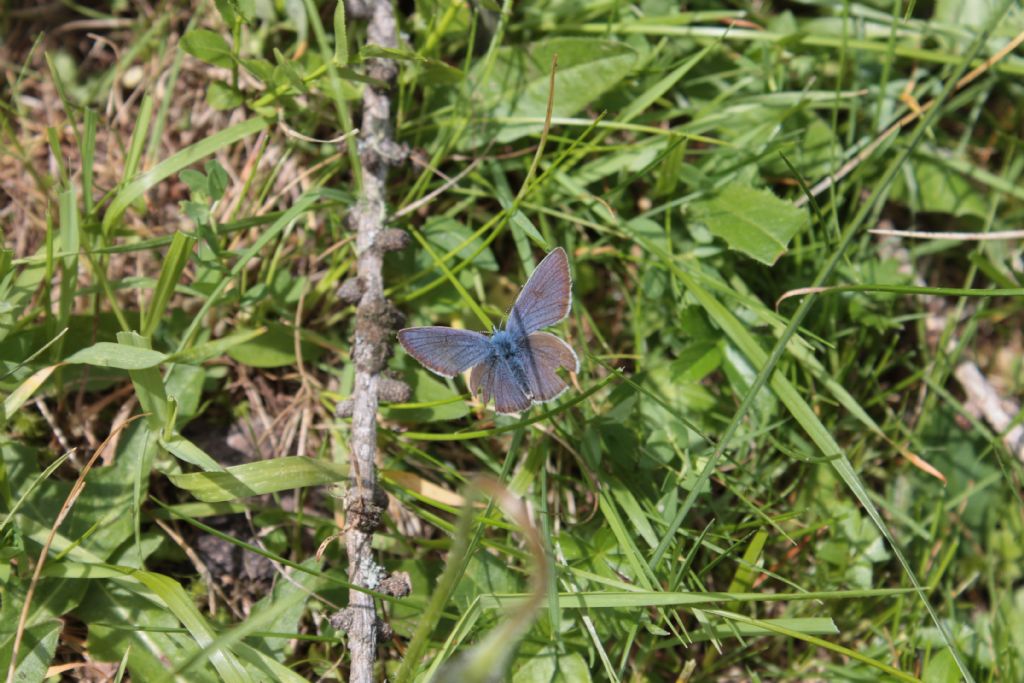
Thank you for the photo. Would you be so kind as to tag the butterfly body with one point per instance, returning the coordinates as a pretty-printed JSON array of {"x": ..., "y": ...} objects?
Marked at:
[
  {"x": 508, "y": 348},
  {"x": 516, "y": 365}
]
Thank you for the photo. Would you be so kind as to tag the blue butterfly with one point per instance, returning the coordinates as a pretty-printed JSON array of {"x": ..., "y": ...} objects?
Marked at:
[{"x": 517, "y": 365}]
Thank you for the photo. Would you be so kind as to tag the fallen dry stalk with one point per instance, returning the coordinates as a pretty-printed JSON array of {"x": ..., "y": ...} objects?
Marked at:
[{"x": 376, "y": 319}]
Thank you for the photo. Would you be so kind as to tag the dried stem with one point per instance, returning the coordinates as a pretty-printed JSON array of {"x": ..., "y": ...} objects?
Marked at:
[{"x": 365, "y": 504}]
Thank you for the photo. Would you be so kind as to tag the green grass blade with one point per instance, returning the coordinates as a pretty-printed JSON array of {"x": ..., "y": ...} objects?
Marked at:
[
  {"x": 174, "y": 263},
  {"x": 256, "y": 478}
]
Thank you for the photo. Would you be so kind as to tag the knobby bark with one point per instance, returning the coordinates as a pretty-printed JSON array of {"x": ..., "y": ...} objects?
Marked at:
[{"x": 376, "y": 320}]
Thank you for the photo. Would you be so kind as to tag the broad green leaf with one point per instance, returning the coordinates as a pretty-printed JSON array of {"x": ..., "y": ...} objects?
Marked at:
[
  {"x": 741, "y": 375},
  {"x": 180, "y": 603},
  {"x": 218, "y": 179},
  {"x": 969, "y": 14},
  {"x": 185, "y": 450},
  {"x": 261, "y": 69},
  {"x": 209, "y": 47},
  {"x": 445, "y": 234},
  {"x": 288, "y": 70},
  {"x": 216, "y": 347},
  {"x": 227, "y": 11},
  {"x": 522, "y": 222},
  {"x": 753, "y": 221},
  {"x": 395, "y": 53},
  {"x": 222, "y": 96},
  {"x": 436, "y": 72},
  {"x": 127, "y": 619},
  {"x": 36, "y": 651},
  {"x": 929, "y": 185},
  {"x": 517, "y": 86},
  {"x": 24, "y": 392},
  {"x": 550, "y": 666},
  {"x": 485, "y": 574},
  {"x": 41, "y": 477},
  {"x": 255, "y": 478},
  {"x": 274, "y": 349},
  {"x": 815, "y": 151},
  {"x": 100, "y": 520},
  {"x": 941, "y": 668},
  {"x": 184, "y": 385},
  {"x": 121, "y": 356},
  {"x": 196, "y": 181}
]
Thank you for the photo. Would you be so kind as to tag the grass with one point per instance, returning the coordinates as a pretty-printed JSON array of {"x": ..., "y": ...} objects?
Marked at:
[{"x": 789, "y": 453}]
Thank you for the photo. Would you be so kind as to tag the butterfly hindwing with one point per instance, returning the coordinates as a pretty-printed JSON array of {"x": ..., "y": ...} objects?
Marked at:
[
  {"x": 545, "y": 298},
  {"x": 494, "y": 379},
  {"x": 445, "y": 350},
  {"x": 481, "y": 381},
  {"x": 510, "y": 395},
  {"x": 545, "y": 354}
]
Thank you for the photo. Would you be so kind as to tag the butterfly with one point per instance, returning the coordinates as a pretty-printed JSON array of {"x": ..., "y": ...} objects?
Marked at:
[{"x": 517, "y": 366}]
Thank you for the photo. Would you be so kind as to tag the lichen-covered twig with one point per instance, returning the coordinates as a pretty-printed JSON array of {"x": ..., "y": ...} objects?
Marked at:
[{"x": 376, "y": 319}]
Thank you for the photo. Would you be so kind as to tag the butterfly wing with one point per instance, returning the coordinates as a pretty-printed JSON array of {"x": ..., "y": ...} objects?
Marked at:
[
  {"x": 545, "y": 353},
  {"x": 546, "y": 297},
  {"x": 445, "y": 350},
  {"x": 495, "y": 378},
  {"x": 509, "y": 394},
  {"x": 481, "y": 380}
]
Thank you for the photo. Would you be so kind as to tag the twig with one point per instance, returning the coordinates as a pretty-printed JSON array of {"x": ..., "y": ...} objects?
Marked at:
[
  {"x": 376, "y": 318},
  {"x": 955, "y": 236},
  {"x": 985, "y": 401}
]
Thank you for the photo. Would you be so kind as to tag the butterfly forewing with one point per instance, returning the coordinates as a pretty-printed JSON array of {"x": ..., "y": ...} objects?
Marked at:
[
  {"x": 546, "y": 354},
  {"x": 445, "y": 350},
  {"x": 545, "y": 298}
]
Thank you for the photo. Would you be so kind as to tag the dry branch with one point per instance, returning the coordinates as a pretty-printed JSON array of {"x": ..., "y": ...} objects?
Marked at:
[{"x": 376, "y": 319}]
